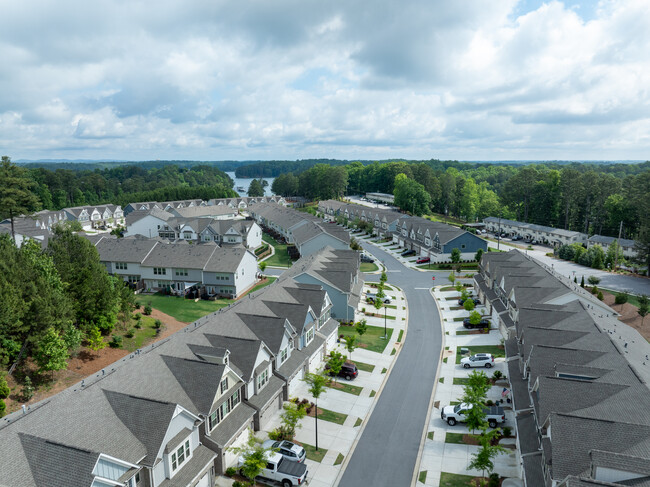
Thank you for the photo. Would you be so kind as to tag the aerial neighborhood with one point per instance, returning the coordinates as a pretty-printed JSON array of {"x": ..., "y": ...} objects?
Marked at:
[{"x": 320, "y": 336}]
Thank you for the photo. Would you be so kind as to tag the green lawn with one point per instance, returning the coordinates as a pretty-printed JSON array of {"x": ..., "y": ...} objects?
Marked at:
[
  {"x": 185, "y": 310},
  {"x": 423, "y": 476},
  {"x": 332, "y": 416},
  {"x": 142, "y": 335},
  {"x": 461, "y": 381},
  {"x": 358, "y": 422},
  {"x": 445, "y": 267},
  {"x": 345, "y": 387},
  {"x": 312, "y": 454},
  {"x": 269, "y": 280},
  {"x": 447, "y": 288},
  {"x": 430, "y": 435},
  {"x": 401, "y": 334},
  {"x": 495, "y": 350},
  {"x": 281, "y": 256},
  {"x": 455, "y": 480},
  {"x": 364, "y": 367},
  {"x": 368, "y": 267},
  {"x": 371, "y": 340},
  {"x": 339, "y": 459}
]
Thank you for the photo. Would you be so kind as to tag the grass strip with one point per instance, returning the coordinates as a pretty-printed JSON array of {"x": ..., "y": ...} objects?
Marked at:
[
  {"x": 423, "y": 476},
  {"x": 365, "y": 367},
  {"x": 312, "y": 454},
  {"x": 339, "y": 459},
  {"x": 455, "y": 438},
  {"x": 344, "y": 387},
  {"x": 455, "y": 480},
  {"x": 332, "y": 416}
]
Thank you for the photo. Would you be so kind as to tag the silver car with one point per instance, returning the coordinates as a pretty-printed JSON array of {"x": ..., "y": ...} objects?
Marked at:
[
  {"x": 478, "y": 360},
  {"x": 287, "y": 449}
]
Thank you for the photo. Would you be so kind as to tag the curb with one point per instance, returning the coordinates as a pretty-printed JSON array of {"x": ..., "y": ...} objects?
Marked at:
[
  {"x": 418, "y": 462},
  {"x": 372, "y": 408}
]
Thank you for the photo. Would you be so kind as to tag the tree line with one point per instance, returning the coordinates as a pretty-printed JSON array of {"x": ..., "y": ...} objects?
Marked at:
[
  {"x": 55, "y": 189},
  {"x": 60, "y": 294}
]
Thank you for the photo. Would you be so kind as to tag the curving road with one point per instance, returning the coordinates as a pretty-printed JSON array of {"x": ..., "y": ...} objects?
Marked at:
[{"x": 387, "y": 451}]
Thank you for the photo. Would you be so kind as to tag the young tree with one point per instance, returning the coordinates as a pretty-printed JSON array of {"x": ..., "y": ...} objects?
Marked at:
[
  {"x": 317, "y": 384},
  {"x": 593, "y": 280},
  {"x": 16, "y": 197},
  {"x": 291, "y": 416},
  {"x": 644, "y": 307},
  {"x": 621, "y": 298},
  {"x": 455, "y": 255},
  {"x": 475, "y": 317},
  {"x": 464, "y": 294},
  {"x": 350, "y": 344},
  {"x": 72, "y": 338},
  {"x": 94, "y": 339},
  {"x": 263, "y": 266},
  {"x": 4, "y": 388},
  {"x": 253, "y": 458},
  {"x": 475, "y": 393},
  {"x": 361, "y": 326},
  {"x": 582, "y": 282},
  {"x": 478, "y": 255},
  {"x": 469, "y": 305},
  {"x": 459, "y": 287},
  {"x": 451, "y": 277},
  {"x": 383, "y": 278},
  {"x": 335, "y": 363},
  {"x": 482, "y": 460},
  {"x": 52, "y": 353},
  {"x": 380, "y": 292}
]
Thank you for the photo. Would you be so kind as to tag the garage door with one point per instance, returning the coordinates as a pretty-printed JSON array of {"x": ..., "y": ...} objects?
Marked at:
[
  {"x": 231, "y": 458},
  {"x": 316, "y": 361},
  {"x": 271, "y": 409},
  {"x": 205, "y": 481},
  {"x": 295, "y": 382}
]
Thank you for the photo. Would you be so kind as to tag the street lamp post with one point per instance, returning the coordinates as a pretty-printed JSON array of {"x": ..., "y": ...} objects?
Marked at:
[{"x": 385, "y": 330}]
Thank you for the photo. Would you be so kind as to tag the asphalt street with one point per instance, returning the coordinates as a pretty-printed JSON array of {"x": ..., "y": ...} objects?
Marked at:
[{"x": 387, "y": 450}]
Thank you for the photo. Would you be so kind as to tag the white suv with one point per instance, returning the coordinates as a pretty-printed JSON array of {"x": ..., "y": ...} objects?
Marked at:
[{"x": 478, "y": 360}]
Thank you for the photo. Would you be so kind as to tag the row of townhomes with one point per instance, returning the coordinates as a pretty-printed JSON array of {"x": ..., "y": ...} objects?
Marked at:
[
  {"x": 154, "y": 265},
  {"x": 167, "y": 415},
  {"x": 235, "y": 203},
  {"x": 308, "y": 233},
  {"x": 199, "y": 226},
  {"x": 430, "y": 239},
  {"x": 579, "y": 377}
]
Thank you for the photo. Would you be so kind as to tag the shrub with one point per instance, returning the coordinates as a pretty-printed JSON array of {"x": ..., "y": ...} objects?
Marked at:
[
  {"x": 497, "y": 375},
  {"x": 137, "y": 305},
  {"x": 621, "y": 298},
  {"x": 4, "y": 388},
  {"x": 600, "y": 295},
  {"x": 276, "y": 434},
  {"x": 148, "y": 309},
  {"x": 137, "y": 317},
  {"x": 237, "y": 483},
  {"x": 116, "y": 341},
  {"x": 137, "y": 325},
  {"x": 230, "y": 471},
  {"x": 157, "y": 324},
  {"x": 494, "y": 480},
  {"x": 507, "y": 431},
  {"x": 28, "y": 389},
  {"x": 593, "y": 280},
  {"x": 489, "y": 402},
  {"x": 594, "y": 290},
  {"x": 130, "y": 333},
  {"x": 3, "y": 408}
]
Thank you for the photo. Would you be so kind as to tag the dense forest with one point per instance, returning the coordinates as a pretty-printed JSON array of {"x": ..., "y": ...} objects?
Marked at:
[{"x": 58, "y": 188}]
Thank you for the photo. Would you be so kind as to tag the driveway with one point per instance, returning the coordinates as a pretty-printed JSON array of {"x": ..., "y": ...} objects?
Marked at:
[{"x": 387, "y": 451}]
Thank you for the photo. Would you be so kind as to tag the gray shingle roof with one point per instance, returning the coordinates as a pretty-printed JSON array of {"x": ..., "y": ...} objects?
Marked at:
[{"x": 194, "y": 376}]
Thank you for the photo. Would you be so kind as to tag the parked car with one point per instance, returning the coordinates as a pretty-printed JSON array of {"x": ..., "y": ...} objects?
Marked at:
[
  {"x": 461, "y": 301},
  {"x": 478, "y": 360},
  {"x": 458, "y": 414},
  {"x": 481, "y": 324},
  {"x": 373, "y": 297},
  {"x": 287, "y": 449},
  {"x": 283, "y": 471},
  {"x": 348, "y": 371},
  {"x": 423, "y": 260},
  {"x": 365, "y": 258},
  {"x": 408, "y": 253}
]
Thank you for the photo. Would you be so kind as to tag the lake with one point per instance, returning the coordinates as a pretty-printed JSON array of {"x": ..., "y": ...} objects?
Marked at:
[{"x": 245, "y": 183}]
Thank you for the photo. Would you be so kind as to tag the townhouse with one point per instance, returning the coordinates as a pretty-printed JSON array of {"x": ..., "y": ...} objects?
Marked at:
[
  {"x": 308, "y": 233},
  {"x": 36, "y": 227},
  {"x": 95, "y": 217},
  {"x": 579, "y": 377},
  {"x": 384, "y": 221},
  {"x": 169, "y": 414},
  {"x": 530, "y": 231},
  {"x": 436, "y": 240},
  {"x": 625, "y": 246},
  {"x": 175, "y": 267},
  {"x": 161, "y": 223},
  {"x": 240, "y": 203}
]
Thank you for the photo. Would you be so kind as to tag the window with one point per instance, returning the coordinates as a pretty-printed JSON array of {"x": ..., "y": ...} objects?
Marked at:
[
  {"x": 462, "y": 246},
  {"x": 224, "y": 385},
  {"x": 181, "y": 455},
  {"x": 284, "y": 354},
  {"x": 310, "y": 336},
  {"x": 162, "y": 284},
  {"x": 121, "y": 265},
  {"x": 159, "y": 271},
  {"x": 222, "y": 411},
  {"x": 137, "y": 478},
  {"x": 180, "y": 272},
  {"x": 262, "y": 379},
  {"x": 187, "y": 235},
  {"x": 134, "y": 279}
]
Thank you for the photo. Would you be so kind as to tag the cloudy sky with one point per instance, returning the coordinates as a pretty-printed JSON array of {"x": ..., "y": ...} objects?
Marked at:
[{"x": 260, "y": 79}]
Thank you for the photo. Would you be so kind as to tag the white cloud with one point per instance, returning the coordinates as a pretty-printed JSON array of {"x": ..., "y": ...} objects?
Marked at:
[{"x": 418, "y": 78}]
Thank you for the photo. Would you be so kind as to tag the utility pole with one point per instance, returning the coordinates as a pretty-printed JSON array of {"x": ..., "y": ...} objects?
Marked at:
[
  {"x": 620, "y": 230},
  {"x": 499, "y": 234}
]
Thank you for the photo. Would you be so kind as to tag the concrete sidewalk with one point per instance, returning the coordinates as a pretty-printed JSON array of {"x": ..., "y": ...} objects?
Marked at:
[{"x": 437, "y": 455}]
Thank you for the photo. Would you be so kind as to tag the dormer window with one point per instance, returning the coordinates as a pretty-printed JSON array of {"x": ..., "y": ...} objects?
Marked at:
[
  {"x": 224, "y": 385},
  {"x": 262, "y": 379},
  {"x": 309, "y": 336},
  {"x": 180, "y": 456}
]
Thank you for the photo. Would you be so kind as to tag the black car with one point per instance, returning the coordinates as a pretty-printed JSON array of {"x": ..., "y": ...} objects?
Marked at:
[
  {"x": 348, "y": 371},
  {"x": 365, "y": 258},
  {"x": 407, "y": 253},
  {"x": 477, "y": 301},
  {"x": 481, "y": 324}
]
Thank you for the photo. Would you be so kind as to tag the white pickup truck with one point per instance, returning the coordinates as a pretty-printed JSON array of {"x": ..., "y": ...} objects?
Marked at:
[
  {"x": 281, "y": 471},
  {"x": 456, "y": 414}
]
